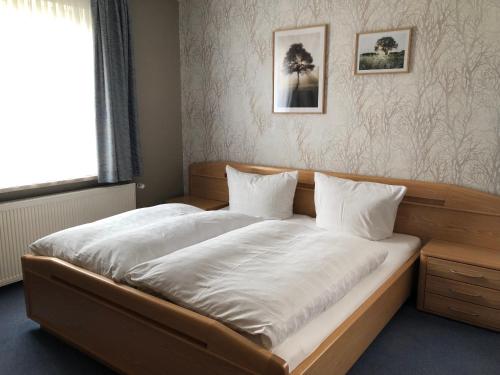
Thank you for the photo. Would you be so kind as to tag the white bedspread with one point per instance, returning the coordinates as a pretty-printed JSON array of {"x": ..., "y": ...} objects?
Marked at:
[
  {"x": 112, "y": 246},
  {"x": 267, "y": 279}
]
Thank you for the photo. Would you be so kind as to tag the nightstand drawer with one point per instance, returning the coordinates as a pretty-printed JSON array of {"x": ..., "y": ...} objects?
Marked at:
[
  {"x": 464, "y": 272},
  {"x": 464, "y": 311},
  {"x": 463, "y": 291}
]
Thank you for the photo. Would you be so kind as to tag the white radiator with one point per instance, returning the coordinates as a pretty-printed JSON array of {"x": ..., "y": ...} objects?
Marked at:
[{"x": 24, "y": 221}]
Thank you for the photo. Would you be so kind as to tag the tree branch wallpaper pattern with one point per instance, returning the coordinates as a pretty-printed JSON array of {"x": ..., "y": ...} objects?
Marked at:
[{"x": 440, "y": 122}]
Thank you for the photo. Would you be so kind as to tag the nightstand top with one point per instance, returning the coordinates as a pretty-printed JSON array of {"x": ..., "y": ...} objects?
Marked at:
[
  {"x": 462, "y": 253},
  {"x": 205, "y": 204}
]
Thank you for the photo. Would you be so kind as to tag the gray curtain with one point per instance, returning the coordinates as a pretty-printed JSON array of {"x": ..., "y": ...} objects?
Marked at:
[{"x": 116, "y": 118}]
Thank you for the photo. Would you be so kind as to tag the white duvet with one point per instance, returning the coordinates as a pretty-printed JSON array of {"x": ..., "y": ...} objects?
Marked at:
[
  {"x": 266, "y": 280},
  {"x": 110, "y": 247}
]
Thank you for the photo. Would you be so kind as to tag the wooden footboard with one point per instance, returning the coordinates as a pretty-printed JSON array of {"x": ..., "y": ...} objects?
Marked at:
[
  {"x": 136, "y": 333},
  {"x": 131, "y": 331}
]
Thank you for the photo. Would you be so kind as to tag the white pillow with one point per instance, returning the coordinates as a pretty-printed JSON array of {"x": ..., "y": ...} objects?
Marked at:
[
  {"x": 269, "y": 197},
  {"x": 365, "y": 209}
]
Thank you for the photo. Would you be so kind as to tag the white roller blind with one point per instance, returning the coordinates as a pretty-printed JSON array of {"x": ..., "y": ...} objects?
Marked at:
[{"x": 47, "y": 109}]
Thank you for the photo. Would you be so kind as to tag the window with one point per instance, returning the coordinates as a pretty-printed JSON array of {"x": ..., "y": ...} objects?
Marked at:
[{"x": 47, "y": 109}]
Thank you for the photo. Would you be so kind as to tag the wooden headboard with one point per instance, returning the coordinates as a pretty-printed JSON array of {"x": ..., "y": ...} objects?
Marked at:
[{"x": 429, "y": 210}]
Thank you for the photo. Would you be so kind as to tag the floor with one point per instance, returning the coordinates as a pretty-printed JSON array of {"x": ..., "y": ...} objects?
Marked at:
[{"x": 413, "y": 343}]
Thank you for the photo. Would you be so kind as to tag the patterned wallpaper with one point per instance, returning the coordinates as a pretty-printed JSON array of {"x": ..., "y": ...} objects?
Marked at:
[{"x": 441, "y": 122}]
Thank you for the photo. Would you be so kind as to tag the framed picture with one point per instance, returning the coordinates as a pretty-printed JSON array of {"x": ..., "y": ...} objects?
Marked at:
[
  {"x": 299, "y": 70},
  {"x": 383, "y": 52}
]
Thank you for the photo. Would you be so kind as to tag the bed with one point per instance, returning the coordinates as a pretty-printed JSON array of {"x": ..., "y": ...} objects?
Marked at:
[{"x": 135, "y": 332}]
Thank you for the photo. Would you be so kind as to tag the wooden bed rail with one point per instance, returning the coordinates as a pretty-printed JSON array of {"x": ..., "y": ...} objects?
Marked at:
[
  {"x": 134, "y": 332},
  {"x": 429, "y": 210}
]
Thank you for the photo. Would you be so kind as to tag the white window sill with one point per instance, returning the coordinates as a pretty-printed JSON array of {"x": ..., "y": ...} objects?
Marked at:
[{"x": 47, "y": 184}]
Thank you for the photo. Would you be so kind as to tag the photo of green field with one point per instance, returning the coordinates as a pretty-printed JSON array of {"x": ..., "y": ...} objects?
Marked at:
[
  {"x": 383, "y": 51},
  {"x": 372, "y": 61}
]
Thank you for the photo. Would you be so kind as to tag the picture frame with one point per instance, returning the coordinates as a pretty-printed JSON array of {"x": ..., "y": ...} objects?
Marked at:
[
  {"x": 299, "y": 61},
  {"x": 385, "y": 51}
]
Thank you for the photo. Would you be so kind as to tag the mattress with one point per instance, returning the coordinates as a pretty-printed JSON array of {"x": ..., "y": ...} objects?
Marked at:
[{"x": 298, "y": 346}]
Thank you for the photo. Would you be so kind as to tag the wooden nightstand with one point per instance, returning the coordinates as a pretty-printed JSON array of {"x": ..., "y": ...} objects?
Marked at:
[
  {"x": 460, "y": 282},
  {"x": 205, "y": 204}
]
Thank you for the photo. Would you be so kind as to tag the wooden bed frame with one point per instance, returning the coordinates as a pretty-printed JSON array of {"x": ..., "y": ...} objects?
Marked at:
[{"x": 136, "y": 333}]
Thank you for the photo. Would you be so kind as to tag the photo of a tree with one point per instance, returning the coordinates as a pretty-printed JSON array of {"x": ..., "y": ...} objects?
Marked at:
[
  {"x": 386, "y": 44},
  {"x": 298, "y": 61},
  {"x": 383, "y": 52},
  {"x": 299, "y": 70}
]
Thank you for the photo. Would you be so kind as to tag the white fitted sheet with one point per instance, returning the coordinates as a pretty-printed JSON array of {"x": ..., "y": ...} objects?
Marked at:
[{"x": 298, "y": 346}]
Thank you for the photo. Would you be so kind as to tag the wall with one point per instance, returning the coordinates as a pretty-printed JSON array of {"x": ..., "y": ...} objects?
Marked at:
[
  {"x": 155, "y": 34},
  {"x": 441, "y": 122}
]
